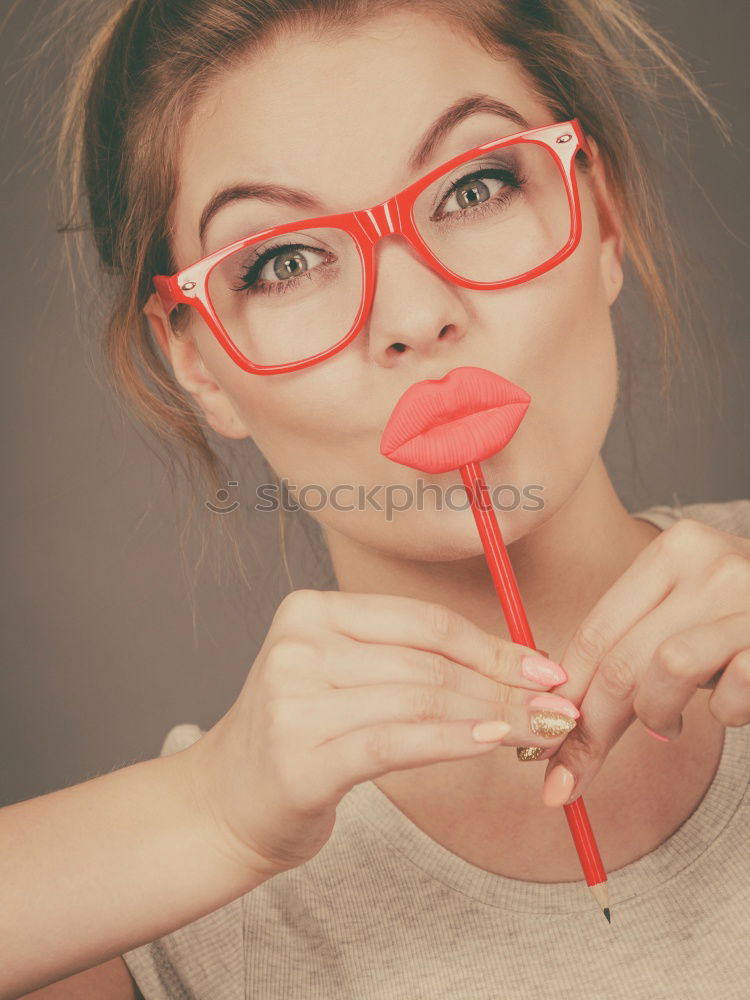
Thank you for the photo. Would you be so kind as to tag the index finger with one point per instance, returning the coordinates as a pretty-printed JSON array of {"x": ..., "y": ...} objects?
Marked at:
[
  {"x": 643, "y": 586},
  {"x": 427, "y": 625}
]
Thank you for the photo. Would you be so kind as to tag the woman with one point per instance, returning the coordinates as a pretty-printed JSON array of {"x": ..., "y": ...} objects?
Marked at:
[{"x": 352, "y": 839}]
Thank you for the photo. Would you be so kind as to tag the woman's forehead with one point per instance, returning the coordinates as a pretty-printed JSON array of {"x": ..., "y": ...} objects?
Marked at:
[{"x": 337, "y": 117}]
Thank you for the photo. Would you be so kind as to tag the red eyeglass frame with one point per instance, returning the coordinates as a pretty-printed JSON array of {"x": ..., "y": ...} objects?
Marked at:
[{"x": 367, "y": 227}]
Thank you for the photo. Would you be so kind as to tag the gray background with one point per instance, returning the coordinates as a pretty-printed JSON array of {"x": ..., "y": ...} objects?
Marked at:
[{"x": 100, "y": 651}]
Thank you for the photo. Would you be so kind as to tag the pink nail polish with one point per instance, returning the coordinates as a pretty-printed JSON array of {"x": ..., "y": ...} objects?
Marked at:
[
  {"x": 541, "y": 671},
  {"x": 556, "y": 704},
  {"x": 558, "y": 786},
  {"x": 657, "y": 736}
]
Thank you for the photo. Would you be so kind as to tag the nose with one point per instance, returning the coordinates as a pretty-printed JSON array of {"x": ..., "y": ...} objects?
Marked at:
[{"x": 413, "y": 309}]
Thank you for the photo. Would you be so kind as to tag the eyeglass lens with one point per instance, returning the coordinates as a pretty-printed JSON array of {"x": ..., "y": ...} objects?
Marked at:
[{"x": 491, "y": 219}]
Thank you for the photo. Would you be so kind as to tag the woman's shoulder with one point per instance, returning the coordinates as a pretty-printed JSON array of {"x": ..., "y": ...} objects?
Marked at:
[
  {"x": 180, "y": 737},
  {"x": 732, "y": 516}
]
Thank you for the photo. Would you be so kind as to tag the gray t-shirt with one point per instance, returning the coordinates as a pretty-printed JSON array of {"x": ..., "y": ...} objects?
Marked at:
[{"x": 385, "y": 912}]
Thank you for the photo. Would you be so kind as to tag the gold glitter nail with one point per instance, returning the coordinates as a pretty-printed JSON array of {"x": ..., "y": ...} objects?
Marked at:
[
  {"x": 551, "y": 724},
  {"x": 529, "y": 753}
]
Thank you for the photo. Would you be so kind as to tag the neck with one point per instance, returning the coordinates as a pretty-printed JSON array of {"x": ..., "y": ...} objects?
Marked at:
[{"x": 561, "y": 565}]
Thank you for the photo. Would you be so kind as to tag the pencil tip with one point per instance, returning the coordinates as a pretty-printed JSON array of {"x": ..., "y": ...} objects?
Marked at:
[{"x": 606, "y": 914}]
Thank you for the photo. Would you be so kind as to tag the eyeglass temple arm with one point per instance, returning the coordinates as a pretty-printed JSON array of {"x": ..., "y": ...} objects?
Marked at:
[
  {"x": 163, "y": 288},
  {"x": 584, "y": 141}
]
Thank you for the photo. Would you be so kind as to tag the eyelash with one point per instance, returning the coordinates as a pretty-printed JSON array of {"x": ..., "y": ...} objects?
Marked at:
[
  {"x": 253, "y": 286},
  {"x": 249, "y": 278},
  {"x": 513, "y": 183}
]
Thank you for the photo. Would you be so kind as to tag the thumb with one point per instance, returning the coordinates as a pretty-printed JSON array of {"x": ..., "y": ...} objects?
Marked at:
[{"x": 578, "y": 759}]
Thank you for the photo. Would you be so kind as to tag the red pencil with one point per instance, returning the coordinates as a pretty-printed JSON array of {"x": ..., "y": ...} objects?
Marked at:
[
  {"x": 454, "y": 423},
  {"x": 515, "y": 616}
]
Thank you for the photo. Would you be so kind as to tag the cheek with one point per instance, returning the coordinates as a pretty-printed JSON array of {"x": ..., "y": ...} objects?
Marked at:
[
  {"x": 585, "y": 344},
  {"x": 565, "y": 357},
  {"x": 266, "y": 406},
  {"x": 587, "y": 383},
  {"x": 294, "y": 419},
  {"x": 582, "y": 340},
  {"x": 578, "y": 382}
]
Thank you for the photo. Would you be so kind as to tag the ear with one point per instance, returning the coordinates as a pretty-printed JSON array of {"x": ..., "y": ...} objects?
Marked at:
[
  {"x": 182, "y": 353},
  {"x": 610, "y": 226}
]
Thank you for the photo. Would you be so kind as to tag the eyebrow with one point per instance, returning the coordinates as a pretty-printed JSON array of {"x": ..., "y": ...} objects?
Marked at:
[{"x": 305, "y": 201}]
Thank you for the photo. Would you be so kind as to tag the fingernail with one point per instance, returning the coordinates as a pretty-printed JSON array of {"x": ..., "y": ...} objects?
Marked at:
[
  {"x": 551, "y": 724},
  {"x": 556, "y": 703},
  {"x": 657, "y": 736},
  {"x": 541, "y": 671},
  {"x": 529, "y": 753},
  {"x": 558, "y": 786},
  {"x": 487, "y": 732}
]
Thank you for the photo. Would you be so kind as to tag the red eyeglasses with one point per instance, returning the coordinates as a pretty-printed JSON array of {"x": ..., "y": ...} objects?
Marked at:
[{"x": 294, "y": 295}]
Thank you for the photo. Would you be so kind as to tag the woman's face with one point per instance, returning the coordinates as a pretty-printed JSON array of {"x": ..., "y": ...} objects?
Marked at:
[{"x": 340, "y": 118}]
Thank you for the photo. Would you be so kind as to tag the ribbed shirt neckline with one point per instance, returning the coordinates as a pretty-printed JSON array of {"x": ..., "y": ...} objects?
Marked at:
[{"x": 704, "y": 827}]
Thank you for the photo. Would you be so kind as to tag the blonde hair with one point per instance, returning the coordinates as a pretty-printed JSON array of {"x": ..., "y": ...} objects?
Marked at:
[{"x": 145, "y": 64}]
